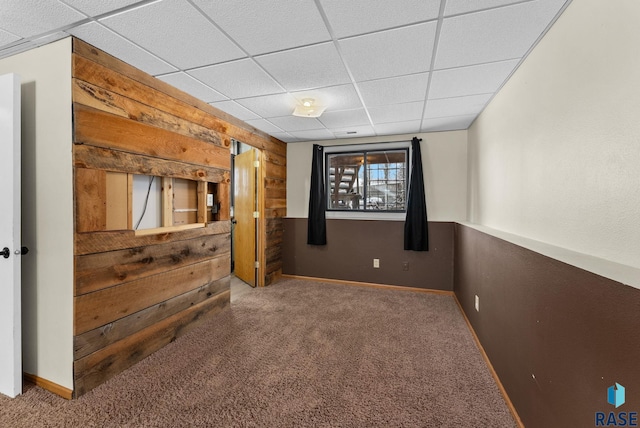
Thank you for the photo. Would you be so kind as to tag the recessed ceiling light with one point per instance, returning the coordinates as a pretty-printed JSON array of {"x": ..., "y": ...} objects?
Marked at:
[{"x": 309, "y": 109}]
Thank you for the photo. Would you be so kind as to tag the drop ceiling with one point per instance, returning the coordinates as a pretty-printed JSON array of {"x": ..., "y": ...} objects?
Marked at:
[{"x": 381, "y": 67}]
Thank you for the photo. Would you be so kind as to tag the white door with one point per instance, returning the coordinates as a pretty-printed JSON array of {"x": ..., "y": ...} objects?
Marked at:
[{"x": 10, "y": 288}]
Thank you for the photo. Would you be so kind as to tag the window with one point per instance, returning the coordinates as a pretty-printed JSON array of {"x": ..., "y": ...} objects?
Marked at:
[{"x": 367, "y": 180}]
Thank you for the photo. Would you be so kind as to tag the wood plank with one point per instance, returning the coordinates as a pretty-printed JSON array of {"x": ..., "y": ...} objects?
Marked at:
[
  {"x": 185, "y": 201},
  {"x": 98, "y": 367},
  {"x": 117, "y": 201},
  {"x": 275, "y": 212},
  {"x": 97, "y": 271},
  {"x": 96, "y": 128},
  {"x": 91, "y": 196},
  {"x": 274, "y": 239},
  {"x": 273, "y": 170},
  {"x": 271, "y": 193},
  {"x": 270, "y": 203},
  {"x": 116, "y": 77},
  {"x": 238, "y": 129},
  {"x": 272, "y": 277},
  {"x": 167, "y": 201},
  {"x": 98, "y": 338},
  {"x": 119, "y": 161},
  {"x": 275, "y": 183},
  {"x": 169, "y": 229},
  {"x": 102, "y": 99},
  {"x": 224, "y": 198},
  {"x": 275, "y": 224},
  {"x": 202, "y": 202},
  {"x": 101, "y": 242},
  {"x": 129, "y": 201},
  {"x": 275, "y": 158},
  {"x": 102, "y": 307},
  {"x": 275, "y": 188},
  {"x": 274, "y": 267},
  {"x": 273, "y": 255}
]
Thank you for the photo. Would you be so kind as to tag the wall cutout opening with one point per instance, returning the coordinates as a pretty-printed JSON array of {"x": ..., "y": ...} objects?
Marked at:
[{"x": 142, "y": 203}]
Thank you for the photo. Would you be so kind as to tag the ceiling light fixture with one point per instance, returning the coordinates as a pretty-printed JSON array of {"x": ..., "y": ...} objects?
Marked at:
[{"x": 308, "y": 109}]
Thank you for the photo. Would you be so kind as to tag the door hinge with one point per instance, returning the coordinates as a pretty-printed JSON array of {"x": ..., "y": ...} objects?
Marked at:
[
  {"x": 256, "y": 265},
  {"x": 256, "y": 214},
  {"x": 256, "y": 164}
]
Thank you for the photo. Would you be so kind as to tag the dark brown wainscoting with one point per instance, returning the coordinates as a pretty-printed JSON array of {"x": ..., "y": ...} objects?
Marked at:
[
  {"x": 353, "y": 244},
  {"x": 557, "y": 336}
]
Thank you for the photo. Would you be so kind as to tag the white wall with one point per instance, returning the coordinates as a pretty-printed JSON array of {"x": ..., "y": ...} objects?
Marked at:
[
  {"x": 556, "y": 155},
  {"x": 444, "y": 158},
  {"x": 47, "y": 210},
  {"x": 152, "y": 217}
]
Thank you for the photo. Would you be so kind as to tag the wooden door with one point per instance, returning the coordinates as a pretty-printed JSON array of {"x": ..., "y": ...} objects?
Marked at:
[
  {"x": 10, "y": 245},
  {"x": 244, "y": 233}
]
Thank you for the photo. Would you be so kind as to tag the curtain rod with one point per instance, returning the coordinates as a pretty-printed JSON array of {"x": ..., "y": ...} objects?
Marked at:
[{"x": 368, "y": 144}]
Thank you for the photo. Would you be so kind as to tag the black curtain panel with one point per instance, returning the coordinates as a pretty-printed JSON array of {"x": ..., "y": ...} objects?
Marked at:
[
  {"x": 416, "y": 234},
  {"x": 317, "y": 228}
]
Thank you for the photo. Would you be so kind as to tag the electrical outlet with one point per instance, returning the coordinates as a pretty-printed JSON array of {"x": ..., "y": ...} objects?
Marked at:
[
  {"x": 376, "y": 263},
  {"x": 477, "y": 303},
  {"x": 405, "y": 266}
]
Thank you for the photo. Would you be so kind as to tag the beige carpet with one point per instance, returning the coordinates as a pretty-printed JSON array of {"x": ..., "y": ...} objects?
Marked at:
[{"x": 297, "y": 354}]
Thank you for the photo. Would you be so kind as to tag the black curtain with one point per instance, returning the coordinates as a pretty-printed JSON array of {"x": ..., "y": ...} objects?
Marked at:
[
  {"x": 316, "y": 227},
  {"x": 416, "y": 235}
]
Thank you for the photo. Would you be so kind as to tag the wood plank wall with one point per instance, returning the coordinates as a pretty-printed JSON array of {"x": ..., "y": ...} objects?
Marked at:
[{"x": 133, "y": 294}]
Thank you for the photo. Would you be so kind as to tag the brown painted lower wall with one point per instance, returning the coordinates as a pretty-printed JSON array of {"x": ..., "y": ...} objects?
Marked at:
[
  {"x": 353, "y": 244},
  {"x": 557, "y": 336}
]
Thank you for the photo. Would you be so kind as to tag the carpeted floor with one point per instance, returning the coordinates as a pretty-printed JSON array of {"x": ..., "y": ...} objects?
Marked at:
[{"x": 297, "y": 354}]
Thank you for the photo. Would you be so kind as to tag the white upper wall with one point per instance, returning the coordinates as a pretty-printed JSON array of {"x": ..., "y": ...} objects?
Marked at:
[
  {"x": 555, "y": 157},
  {"x": 444, "y": 159},
  {"x": 47, "y": 210}
]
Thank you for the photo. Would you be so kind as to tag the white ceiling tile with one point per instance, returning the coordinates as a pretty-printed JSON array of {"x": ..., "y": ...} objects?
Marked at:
[
  {"x": 268, "y": 26},
  {"x": 284, "y": 136},
  {"x": 316, "y": 134},
  {"x": 348, "y": 18},
  {"x": 110, "y": 42},
  {"x": 455, "y": 7},
  {"x": 477, "y": 79},
  {"x": 264, "y": 125},
  {"x": 238, "y": 79},
  {"x": 6, "y": 38},
  {"x": 345, "y": 118},
  {"x": 50, "y": 38},
  {"x": 353, "y": 131},
  {"x": 94, "y": 8},
  {"x": 408, "y": 127},
  {"x": 175, "y": 31},
  {"x": 459, "y": 106},
  {"x": 493, "y": 35},
  {"x": 447, "y": 123},
  {"x": 235, "y": 110},
  {"x": 191, "y": 86},
  {"x": 295, "y": 123},
  {"x": 394, "y": 90},
  {"x": 342, "y": 97},
  {"x": 28, "y": 18},
  {"x": 396, "y": 112},
  {"x": 270, "y": 105},
  {"x": 16, "y": 49},
  {"x": 390, "y": 53},
  {"x": 306, "y": 68}
]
